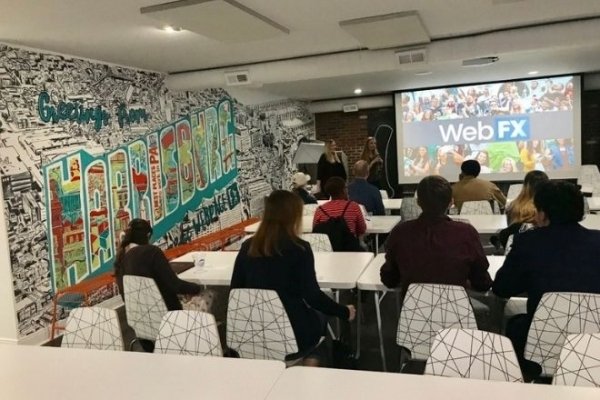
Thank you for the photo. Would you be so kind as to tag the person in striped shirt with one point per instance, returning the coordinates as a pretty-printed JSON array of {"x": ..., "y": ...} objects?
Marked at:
[{"x": 337, "y": 189}]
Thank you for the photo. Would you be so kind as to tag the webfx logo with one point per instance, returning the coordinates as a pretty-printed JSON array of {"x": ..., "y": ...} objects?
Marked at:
[{"x": 506, "y": 128}]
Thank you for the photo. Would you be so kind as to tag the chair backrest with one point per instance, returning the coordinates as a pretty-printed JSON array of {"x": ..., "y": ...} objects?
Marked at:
[
  {"x": 427, "y": 308},
  {"x": 93, "y": 328},
  {"x": 258, "y": 326},
  {"x": 481, "y": 207},
  {"x": 409, "y": 209},
  {"x": 558, "y": 315},
  {"x": 588, "y": 175},
  {"x": 144, "y": 306},
  {"x": 514, "y": 190},
  {"x": 468, "y": 353},
  {"x": 384, "y": 194},
  {"x": 309, "y": 209},
  {"x": 579, "y": 361},
  {"x": 318, "y": 241},
  {"x": 188, "y": 332}
]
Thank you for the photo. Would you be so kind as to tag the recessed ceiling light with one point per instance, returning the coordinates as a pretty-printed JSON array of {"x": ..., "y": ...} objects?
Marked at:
[
  {"x": 357, "y": 91},
  {"x": 533, "y": 72},
  {"x": 171, "y": 29},
  {"x": 423, "y": 73}
]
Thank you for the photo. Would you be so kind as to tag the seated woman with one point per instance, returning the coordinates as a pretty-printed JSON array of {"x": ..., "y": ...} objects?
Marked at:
[
  {"x": 521, "y": 210},
  {"x": 136, "y": 256},
  {"x": 275, "y": 258},
  {"x": 299, "y": 182}
]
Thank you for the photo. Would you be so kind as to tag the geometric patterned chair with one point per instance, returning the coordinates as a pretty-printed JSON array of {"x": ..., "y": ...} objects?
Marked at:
[
  {"x": 309, "y": 209},
  {"x": 258, "y": 326},
  {"x": 318, "y": 241},
  {"x": 468, "y": 353},
  {"x": 482, "y": 207},
  {"x": 557, "y": 315},
  {"x": 579, "y": 362},
  {"x": 409, "y": 209},
  {"x": 428, "y": 308},
  {"x": 190, "y": 333},
  {"x": 590, "y": 176},
  {"x": 93, "y": 328},
  {"x": 144, "y": 306}
]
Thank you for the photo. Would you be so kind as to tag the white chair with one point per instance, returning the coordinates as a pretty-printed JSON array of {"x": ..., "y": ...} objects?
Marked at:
[
  {"x": 144, "y": 306},
  {"x": 427, "y": 308},
  {"x": 557, "y": 315},
  {"x": 409, "y": 209},
  {"x": 579, "y": 361},
  {"x": 318, "y": 241},
  {"x": 188, "y": 332},
  {"x": 482, "y": 207},
  {"x": 258, "y": 326},
  {"x": 309, "y": 209},
  {"x": 514, "y": 190},
  {"x": 468, "y": 353},
  {"x": 384, "y": 194},
  {"x": 93, "y": 328},
  {"x": 590, "y": 176}
]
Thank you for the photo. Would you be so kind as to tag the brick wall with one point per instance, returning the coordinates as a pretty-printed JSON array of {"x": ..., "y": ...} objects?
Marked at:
[{"x": 349, "y": 130}]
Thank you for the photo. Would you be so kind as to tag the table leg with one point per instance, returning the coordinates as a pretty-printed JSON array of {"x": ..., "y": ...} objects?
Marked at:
[
  {"x": 337, "y": 320},
  {"x": 380, "y": 331},
  {"x": 358, "y": 321},
  {"x": 376, "y": 243}
]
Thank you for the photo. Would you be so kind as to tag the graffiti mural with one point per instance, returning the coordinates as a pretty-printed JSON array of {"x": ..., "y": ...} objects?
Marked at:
[{"x": 92, "y": 199}]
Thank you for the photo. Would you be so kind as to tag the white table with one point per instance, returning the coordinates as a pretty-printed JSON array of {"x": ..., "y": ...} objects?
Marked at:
[
  {"x": 35, "y": 373},
  {"x": 326, "y": 384},
  {"x": 484, "y": 224},
  {"x": 337, "y": 270},
  {"x": 594, "y": 203},
  {"x": 370, "y": 281},
  {"x": 591, "y": 221},
  {"x": 388, "y": 204}
]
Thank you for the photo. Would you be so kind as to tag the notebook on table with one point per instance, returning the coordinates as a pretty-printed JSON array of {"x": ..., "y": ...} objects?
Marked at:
[{"x": 181, "y": 266}]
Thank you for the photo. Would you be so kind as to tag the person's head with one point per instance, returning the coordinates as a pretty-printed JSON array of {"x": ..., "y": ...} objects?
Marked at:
[
  {"x": 330, "y": 151},
  {"x": 300, "y": 180},
  {"x": 423, "y": 152},
  {"x": 360, "y": 169},
  {"x": 282, "y": 219},
  {"x": 369, "y": 149},
  {"x": 533, "y": 180},
  {"x": 371, "y": 144},
  {"x": 558, "y": 202},
  {"x": 337, "y": 189},
  {"x": 470, "y": 168},
  {"x": 508, "y": 165},
  {"x": 483, "y": 158},
  {"x": 427, "y": 115},
  {"x": 434, "y": 195},
  {"x": 139, "y": 232}
]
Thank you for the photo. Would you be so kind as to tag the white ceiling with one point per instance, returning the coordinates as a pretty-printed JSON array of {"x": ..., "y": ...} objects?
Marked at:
[{"x": 115, "y": 31}]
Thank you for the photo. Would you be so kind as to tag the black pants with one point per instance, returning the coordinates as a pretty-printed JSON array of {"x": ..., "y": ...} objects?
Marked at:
[{"x": 517, "y": 329}]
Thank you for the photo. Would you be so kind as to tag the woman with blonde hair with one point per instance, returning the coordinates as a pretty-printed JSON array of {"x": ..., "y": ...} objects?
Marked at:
[
  {"x": 329, "y": 165},
  {"x": 276, "y": 258},
  {"x": 372, "y": 157}
]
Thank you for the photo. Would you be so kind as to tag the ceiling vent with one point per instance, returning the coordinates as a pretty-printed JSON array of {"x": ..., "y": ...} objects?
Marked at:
[
  {"x": 237, "y": 78},
  {"x": 479, "y": 62},
  {"x": 350, "y": 108},
  {"x": 412, "y": 56}
]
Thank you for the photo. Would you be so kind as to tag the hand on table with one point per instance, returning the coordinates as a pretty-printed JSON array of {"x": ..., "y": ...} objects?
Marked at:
[{"x": 351, "y": 312}]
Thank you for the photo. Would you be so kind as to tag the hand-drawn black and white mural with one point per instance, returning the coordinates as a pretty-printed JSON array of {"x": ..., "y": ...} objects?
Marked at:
[{"x": 52, "y": 105}]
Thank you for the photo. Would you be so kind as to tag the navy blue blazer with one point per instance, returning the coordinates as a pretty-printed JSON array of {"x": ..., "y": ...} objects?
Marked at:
[
  {"x": 556, "y": 258},
  {"x": 366, "y": 194}
]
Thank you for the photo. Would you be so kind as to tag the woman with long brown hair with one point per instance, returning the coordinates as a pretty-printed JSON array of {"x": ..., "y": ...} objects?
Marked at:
[
  {"x": 371, "y": 155},
  {"x": 521, "y": 209},
  {"x": 276, "y": 258},
  {"x": 329, "y": 165}
]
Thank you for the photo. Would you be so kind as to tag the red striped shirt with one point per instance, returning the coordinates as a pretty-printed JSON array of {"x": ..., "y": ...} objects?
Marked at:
[{"x": 353, "y": 216}]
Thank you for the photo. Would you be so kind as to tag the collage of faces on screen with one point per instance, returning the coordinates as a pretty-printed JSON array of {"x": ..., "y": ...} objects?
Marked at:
[
  {"x": 490, "y": 99},
  {"x": 498, "y": 157}
]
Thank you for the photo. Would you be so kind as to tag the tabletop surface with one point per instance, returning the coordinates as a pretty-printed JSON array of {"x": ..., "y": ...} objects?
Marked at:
[
  {"x": 35, "y": 373},
  {"x": 370, "y": 278},
  {"x": 324, "y": 383},
  {"x": 375, "y": 224},
  {"x": 388, "y": 204},
  {"x": 484, "y": 224},
  {"x": 339, "y": 270}
]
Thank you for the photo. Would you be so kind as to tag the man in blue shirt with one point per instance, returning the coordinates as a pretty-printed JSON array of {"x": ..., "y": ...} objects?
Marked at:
[{"x": 363, "y": 192}]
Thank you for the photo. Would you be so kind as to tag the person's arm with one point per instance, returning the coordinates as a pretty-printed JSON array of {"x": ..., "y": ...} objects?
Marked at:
[
  {"x": 343, "y": 174},
  {"x": 238, "y": 278},
  {"x": 318, "y": 217},
  {"x": 511, "y": 278},
  {"x": 390, "y": 273},
  {"x": 498, "y": 196},
  {"x": 526, "y": 159},
  {"x": 379, "y": 207},
  {"x": 311, "y": 292},
  {"x": 361, "y": 225},
  {"x": 164, "y": 274},
  {"x": 321, "y": 172},
  {"x": 478, "y": 274}
]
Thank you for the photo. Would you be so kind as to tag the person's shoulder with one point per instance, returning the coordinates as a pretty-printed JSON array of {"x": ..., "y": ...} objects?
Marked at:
[{"x": 460, "y": 226}]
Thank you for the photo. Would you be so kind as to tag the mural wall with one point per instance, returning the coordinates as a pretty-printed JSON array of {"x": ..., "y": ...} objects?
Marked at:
[{"x": 95, "y": 141}]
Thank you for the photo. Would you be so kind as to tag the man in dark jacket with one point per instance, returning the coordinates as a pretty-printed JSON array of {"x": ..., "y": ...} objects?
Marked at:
[
  {"x": 362, "y": 192},
  {"x": 559, "y": 256}
]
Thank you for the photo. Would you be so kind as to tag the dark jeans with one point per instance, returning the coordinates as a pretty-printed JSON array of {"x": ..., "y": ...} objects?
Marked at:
[{"x": 517, "y": 329}]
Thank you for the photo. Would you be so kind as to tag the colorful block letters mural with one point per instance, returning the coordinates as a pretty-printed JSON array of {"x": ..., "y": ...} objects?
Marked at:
[{"x": 160, "y": 177}]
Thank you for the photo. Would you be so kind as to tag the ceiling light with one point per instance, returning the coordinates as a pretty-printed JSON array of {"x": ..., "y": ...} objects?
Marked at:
[
  {"x": 171, "y": 29},
  {"x": 357, "y": 91},
  {"x": 533, "y": 72},
  {"x": 480, "y": 61}
]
